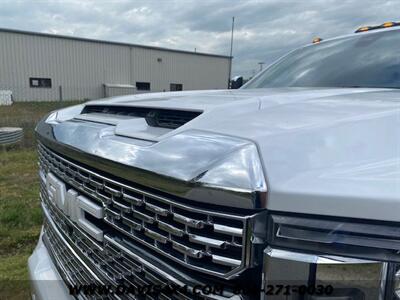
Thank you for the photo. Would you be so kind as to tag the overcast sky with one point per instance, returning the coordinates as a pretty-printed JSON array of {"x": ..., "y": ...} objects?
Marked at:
[{"x": 264, "y": 30}]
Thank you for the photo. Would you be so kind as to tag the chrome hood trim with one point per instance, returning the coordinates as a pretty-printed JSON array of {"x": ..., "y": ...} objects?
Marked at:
[{"x": 196, "y": 165}]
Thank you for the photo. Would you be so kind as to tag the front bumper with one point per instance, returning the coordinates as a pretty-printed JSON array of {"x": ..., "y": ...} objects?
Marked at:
[{"x": 46, "y": 282}]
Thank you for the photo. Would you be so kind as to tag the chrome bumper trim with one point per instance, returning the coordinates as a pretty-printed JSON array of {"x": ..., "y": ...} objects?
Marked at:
[{"x": 290, "y": 268}]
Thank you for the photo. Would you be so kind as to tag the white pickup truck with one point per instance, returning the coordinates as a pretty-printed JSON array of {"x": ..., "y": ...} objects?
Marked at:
[{"x": 288, "y": 188}]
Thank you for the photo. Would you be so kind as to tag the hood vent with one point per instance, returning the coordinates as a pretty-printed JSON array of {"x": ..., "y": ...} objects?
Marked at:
[{"x": 155, "y": 117}]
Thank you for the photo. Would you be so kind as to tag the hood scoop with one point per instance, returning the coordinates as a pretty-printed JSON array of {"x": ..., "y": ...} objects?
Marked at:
[
  {"x": 154, "y": 117},
  {"x": 143, "y": 123}
]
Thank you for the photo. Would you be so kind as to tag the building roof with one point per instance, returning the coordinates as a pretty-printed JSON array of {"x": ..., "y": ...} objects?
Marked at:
[{"x": 67, "y": 37}]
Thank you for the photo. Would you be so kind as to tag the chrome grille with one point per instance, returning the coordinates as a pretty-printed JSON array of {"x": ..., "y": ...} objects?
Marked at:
[
  {"x": 69, "y": 268},
  {"x": 107, "y": 264},
  {"x": 209, "y": 241},
  {"x": 118, "y": 268}
]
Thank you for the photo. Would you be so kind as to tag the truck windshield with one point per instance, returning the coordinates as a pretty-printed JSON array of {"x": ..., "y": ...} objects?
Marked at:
[{"x": 363, "y": 60}]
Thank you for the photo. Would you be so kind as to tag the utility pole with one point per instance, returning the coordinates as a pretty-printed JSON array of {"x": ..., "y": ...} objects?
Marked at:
[
  {"x": 230, "y": 55},
  {"x": 261, "y": 65}
]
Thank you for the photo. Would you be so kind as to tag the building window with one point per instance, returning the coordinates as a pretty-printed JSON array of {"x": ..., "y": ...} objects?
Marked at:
[
  {"x": 143, "y": 86},
  {"x": 40, "y": 82},
  {"x": 176, "y": 87}
]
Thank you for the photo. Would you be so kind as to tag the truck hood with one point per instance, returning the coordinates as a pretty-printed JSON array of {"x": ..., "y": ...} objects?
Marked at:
[{"x": 323, "y": 151}]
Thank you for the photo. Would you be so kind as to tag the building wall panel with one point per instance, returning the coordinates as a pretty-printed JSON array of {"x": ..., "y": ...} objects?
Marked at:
[{"x": 81, "y": 67}]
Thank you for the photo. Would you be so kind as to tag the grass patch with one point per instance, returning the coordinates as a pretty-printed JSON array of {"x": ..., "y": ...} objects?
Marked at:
[
  {"x": 12, "y": 287},
  {"x": 20, "y": 213}
]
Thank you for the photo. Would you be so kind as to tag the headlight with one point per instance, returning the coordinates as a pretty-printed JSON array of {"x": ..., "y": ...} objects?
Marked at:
[
  {"x": 380, "y": 241},
  {"x": 331, "y": 260}
]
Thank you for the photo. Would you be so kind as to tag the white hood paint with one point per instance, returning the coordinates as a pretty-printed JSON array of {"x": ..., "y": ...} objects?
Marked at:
[{"x": 325, "y": 151}]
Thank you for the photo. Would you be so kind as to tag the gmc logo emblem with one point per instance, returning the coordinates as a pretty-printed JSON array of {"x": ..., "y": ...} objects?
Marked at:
[{"x": 74, "y": 205}]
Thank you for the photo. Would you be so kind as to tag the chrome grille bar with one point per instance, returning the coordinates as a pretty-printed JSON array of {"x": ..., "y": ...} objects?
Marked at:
[
  {"x": 209, "y": 241},
  {"x": 113, "y": 263}
]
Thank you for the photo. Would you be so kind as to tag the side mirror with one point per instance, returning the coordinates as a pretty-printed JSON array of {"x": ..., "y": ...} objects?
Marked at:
[{"x": 236, "y": 82}]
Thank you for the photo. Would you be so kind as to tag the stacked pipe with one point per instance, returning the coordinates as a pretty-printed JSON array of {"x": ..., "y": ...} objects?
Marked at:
[{"x": 10, "y": 135}]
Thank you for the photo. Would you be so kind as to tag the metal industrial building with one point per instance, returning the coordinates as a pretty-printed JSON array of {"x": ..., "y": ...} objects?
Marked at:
[{"x": 39, "y": 66}]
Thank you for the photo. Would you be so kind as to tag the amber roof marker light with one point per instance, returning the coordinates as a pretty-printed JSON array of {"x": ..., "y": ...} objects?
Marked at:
[
  {"x": 382, "y": 26},
  {"x": 388, "y": 24},
  {"x": 317, "y": 40},
  {"x": 363, "y": 29}
]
